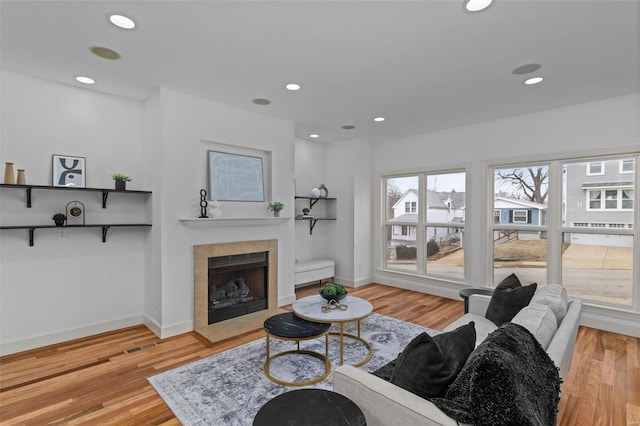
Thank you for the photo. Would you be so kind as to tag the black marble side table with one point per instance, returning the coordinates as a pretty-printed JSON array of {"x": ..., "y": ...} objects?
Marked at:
[
  {"x": 310, "y": 407},
  {"x": 466, "y": 292},
  {"x": 288, "y": 326}
]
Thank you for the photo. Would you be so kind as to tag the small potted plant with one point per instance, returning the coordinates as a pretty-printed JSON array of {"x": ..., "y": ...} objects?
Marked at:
[
  {"x": 306, "y": 212},
  {"x": 275, "y": 207},
  {"x": 121, "y": 181},
  {"x": 59, "y": 218},
  {"x": 332, "y": 291}
]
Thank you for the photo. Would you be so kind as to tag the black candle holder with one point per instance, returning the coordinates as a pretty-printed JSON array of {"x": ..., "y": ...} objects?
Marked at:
[{"x": 203, "y": 204}]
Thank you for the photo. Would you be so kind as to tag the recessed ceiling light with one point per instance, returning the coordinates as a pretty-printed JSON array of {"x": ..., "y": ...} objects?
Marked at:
[
  {"x": 477, "y": 5},
  {"x": 85, "y": 80},
  {"x": 378, "y": 119},
  {"x": 261, "y": 101},
  {"x": 526, "y": 69},
  {"x": 533, "y": 80},
  {"x": 314, "y": 135},
  {"x": 348, "y": 127},
  {"x": 293, "y": 86},
  {"x": 122, "y": 22},
  {"x": 105, "y": 52}
]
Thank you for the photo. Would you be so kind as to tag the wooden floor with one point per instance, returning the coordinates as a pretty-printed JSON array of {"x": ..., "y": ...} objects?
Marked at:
[{"x": 93, "y": 381}]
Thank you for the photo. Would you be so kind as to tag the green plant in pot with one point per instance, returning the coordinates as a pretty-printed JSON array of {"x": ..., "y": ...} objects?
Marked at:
[
  {"x": 332, "y": 291},
  {"x": 275, "y": 207},
  {"x": 121, "y": 181},
  {"x": 59, "y": 218}
]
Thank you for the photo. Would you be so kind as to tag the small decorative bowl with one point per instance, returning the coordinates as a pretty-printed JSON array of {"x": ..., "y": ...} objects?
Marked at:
[{"x": 335, "y": 297}]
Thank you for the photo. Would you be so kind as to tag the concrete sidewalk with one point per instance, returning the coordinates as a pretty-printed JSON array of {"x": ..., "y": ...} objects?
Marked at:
[{"x": 580, "y": 256}]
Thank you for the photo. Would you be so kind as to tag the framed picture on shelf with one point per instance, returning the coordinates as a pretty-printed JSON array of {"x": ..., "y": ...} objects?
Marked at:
[{"x": 68, "y": 171}]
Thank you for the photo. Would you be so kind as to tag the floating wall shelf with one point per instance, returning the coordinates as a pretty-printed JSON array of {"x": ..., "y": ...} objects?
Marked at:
[{"x": 105, "y": 194}]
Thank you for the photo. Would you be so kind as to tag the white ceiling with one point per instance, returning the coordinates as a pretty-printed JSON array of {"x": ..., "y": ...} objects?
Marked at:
[{"x": 424, "y": 65}]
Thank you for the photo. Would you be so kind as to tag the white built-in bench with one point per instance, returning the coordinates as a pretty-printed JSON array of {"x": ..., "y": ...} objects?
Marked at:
[{"x": 314, "y": 270}]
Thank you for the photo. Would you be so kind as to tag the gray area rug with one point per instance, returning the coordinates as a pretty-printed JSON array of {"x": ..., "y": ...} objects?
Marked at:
[{"x": 229, "y": 388}]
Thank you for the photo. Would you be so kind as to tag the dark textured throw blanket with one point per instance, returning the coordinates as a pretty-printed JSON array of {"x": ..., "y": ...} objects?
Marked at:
[{"x": 508, "y": 380}]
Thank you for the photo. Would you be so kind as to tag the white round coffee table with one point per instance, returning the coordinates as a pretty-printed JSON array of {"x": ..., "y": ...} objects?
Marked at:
[{"x": 310, "y": 308}]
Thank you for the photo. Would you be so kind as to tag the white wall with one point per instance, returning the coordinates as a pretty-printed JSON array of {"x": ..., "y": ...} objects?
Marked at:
[
  {"x": 190, "y": 127},
  {"x": 594, "y": 126},
  {"x": 65, "y": 288},
  {"x": 310, "y": 160},
  {"x": 76, "y": 286},
  {"x": 350, "y": 179}
]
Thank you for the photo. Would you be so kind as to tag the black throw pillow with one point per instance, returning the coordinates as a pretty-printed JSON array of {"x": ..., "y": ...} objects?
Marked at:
[
  {"x": 508, "y": 299},
  {"x": 428, "y": 365}
]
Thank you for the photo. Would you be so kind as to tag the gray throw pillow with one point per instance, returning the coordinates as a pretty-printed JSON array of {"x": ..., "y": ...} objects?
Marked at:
[
  {"x": 428, "y": 365},
  {"x": 508, "y": 298}
]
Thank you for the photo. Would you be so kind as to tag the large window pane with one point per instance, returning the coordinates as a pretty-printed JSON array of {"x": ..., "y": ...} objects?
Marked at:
[
  {"x": 521, "y": 252},
  {"x": 444, "y": 251},
  {"x": 600, "y": 201},
  {"x": 401, "y": 252},
  {"x": 402, "y": 199},
  {"x": 520, "y": 195},
  {"x": 598, "y": 267}
]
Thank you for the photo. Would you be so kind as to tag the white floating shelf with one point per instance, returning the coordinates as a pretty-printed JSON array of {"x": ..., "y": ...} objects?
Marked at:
[{"x": 230, "y": 221}]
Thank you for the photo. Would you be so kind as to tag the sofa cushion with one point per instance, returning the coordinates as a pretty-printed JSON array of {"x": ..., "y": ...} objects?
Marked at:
[
  {"x": 428, "y": 365},
  {"x": 508, "y": 298},
  {"x": 555, "y": 296},
  {"x": 539, "y": 320},
  {"x": 482, "y": 325}
]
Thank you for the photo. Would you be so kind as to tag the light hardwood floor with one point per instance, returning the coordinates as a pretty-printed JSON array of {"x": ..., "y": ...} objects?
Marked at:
[{"x": 92, "y": 380}]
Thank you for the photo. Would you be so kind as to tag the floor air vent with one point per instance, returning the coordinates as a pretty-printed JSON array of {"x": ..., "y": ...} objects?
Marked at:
[{"x": 140, "y": 348}]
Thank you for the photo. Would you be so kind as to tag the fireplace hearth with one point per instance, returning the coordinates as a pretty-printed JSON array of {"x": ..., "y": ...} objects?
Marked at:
[{"x": 235, "y": 287}]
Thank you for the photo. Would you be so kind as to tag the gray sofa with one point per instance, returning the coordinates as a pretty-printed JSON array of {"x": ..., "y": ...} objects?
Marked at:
[{"x": 384, "y": 403}]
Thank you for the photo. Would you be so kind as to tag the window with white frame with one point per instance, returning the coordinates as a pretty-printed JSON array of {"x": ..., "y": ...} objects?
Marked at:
[
  {"x": 595, "y": 168},
  {"x": 436, "y": 231},
  {"x": 520, "y": 216},
  {"x": 587, "y": 222},
  {"x": 627, "y": 165},
  {"x": 614, "y": 199},
  {"x": 410, "y": 207},
  {"x": 496, "y": 216}
]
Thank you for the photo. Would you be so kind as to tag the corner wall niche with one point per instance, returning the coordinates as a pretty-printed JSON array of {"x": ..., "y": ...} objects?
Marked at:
[{"x": 221, "y": 330}]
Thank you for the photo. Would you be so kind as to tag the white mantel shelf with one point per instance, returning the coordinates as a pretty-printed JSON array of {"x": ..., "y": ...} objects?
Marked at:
[{"x": 233, "y": 221}]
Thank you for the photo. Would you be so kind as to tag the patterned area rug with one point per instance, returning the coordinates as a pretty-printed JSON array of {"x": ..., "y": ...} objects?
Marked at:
[{"x": 229, "y": 388}]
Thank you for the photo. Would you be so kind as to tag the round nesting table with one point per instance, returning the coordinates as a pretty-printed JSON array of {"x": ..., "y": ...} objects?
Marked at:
[
  {"x": 310, "y": 407},
  {"x": 288, "y": 326},
  {"x": 310, "y": 308}
]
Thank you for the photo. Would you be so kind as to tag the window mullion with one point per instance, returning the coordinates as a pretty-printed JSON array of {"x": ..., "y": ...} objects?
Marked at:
[
  {"x": 421, "y": 253},
  {"x": 554, "y": 224}
]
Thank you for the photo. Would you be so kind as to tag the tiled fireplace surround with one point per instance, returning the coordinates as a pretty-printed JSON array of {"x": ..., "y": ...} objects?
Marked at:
[{"x": 238, "y": 325}]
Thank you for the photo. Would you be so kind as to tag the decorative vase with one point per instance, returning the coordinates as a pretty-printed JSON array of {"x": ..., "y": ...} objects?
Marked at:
[
  {"x": 315, "y": 193},
  {"x": 9, "y": 175},
  {"x": 59, "y": 222},
  {"x": 21, "y": 179},
  {"x": 336, "y": 297},
  {"x": 276, "y": 214},
  {"x": 121, "y": 185}
]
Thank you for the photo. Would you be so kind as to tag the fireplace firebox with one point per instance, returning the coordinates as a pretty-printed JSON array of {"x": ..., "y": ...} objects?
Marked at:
[
  {"x": 237, "y": 285},
  {"x": 204, "y": 292}
]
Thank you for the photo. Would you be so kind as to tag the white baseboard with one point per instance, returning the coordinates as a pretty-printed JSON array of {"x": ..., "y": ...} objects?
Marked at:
[
  {"x": 164, "y": 331},
  {"x": 286, "y": 300},
  {"x": 421, "y": 285},
  {"x": 352, "y": 283},
  {"x": 620, "y": 322},
  {"x": 33, "y": 342}
]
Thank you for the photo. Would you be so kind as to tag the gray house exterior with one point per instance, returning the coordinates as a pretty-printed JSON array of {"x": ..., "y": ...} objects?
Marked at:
[{"x": 600, "y": 195}]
